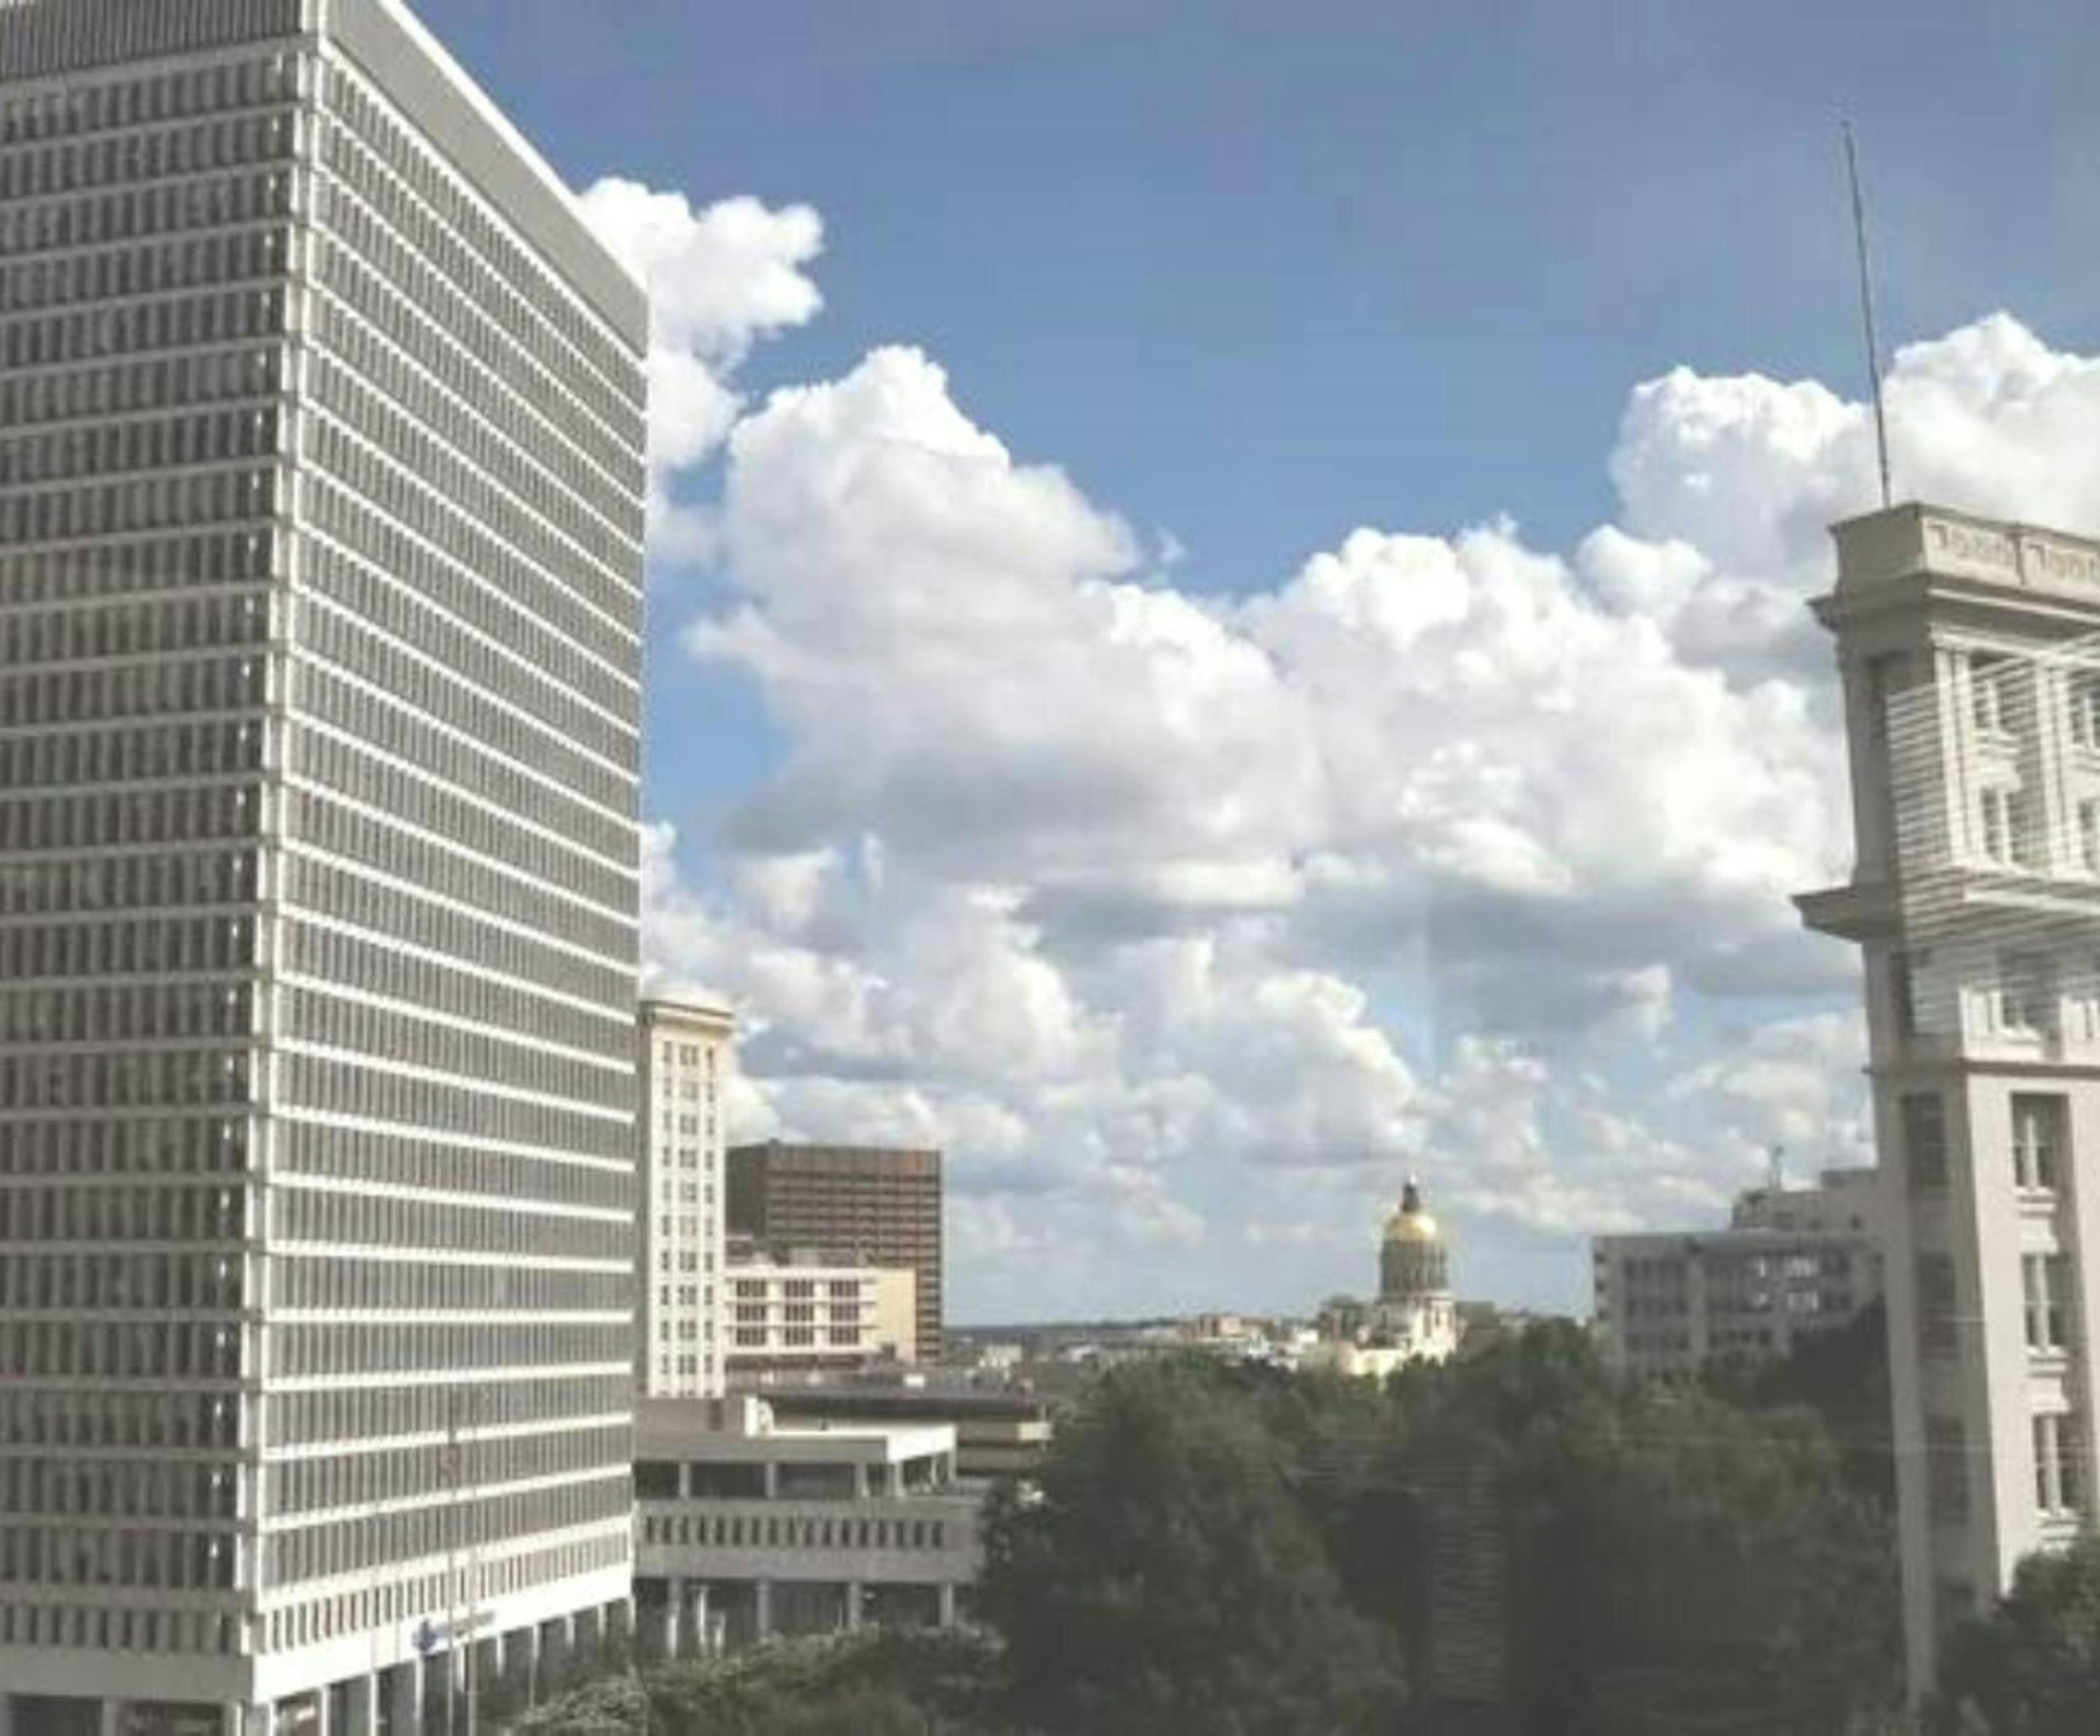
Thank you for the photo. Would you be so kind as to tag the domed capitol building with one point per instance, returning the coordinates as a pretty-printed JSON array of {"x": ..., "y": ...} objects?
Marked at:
[{"x": 1414, "y": 1317}]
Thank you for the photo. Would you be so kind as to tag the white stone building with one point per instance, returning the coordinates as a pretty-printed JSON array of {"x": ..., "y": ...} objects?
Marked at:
[
  {"x": 1414, "y": 1317},
  {"x": 1972, "y": 704},
  {"x": 1792, "y": 1261},
  {"x": 322, "y": 432},
  {"x": 746, "y": 1530},
  {"x": 686, "y": 1051}
]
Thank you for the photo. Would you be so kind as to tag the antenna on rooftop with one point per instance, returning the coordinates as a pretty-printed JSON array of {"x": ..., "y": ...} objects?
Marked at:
[{"x": 1867, "y": 309}]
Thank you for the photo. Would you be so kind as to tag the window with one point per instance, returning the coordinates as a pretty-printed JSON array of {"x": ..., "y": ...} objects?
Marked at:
[
  {"x": 2085, "y": 702},
  {"x": 1925, "y": 1140},
  {"x": 2037, "y": 1140},
  {"x": 2000, "y": 805},
  {"x": 2045, "y": 1278},
  {"x": 2059, "y": 1472},
  {"x": 2027, "y": 994},
  {"x": 1938, "y": 1319},
  {"x": 2089, "y": 835},
  {"x": 1990, "y": 678},
  {"x": 1902, "y": 993},
  {"x": 1946, "y": 1470}
]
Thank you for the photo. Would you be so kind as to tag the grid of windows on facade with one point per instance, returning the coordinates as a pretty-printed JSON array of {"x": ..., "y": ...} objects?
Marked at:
[{"x": 684, "y": 1214}]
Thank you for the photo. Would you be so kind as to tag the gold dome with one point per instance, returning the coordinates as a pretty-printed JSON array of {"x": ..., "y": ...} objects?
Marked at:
[{"x": 1410, "y": 1223}]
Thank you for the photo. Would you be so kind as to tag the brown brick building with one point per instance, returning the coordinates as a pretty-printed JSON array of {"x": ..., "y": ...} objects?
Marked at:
[{"x": 880, "y": 1204}]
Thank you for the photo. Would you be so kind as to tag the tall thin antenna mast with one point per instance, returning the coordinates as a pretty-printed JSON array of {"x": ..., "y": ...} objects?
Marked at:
[{"x": 1867, "y": 310}]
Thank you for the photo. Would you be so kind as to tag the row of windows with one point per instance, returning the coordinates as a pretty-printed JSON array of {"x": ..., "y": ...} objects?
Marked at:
[
  {"x": 463, "y": 591},
  {"x": 131, "y": 1145},
  {"x": 82, "y": 107},
  {"x": 407, "y": 495},
  {"x": 509, "y": 267},
  {"x": 151, "y": 503},
  {"x": 472, "y": 657},
  {"x": 118, "y": 1489},
  {"x": 382, "y": 969},
  {"x": 134, "y": 1350},
  {"x": 351, "y": 898},
  {"x": 395, "y": 1411},
  {"x": 176, "y": 322},
  {"x": 99, "y": 1627},
  {"x": 192, "y": 148},
  {"x": 154, "y": 689},
  {"x": 361, "y": 1545},
  {"x": 390, "y": 723},
  {"x": 550, "y": 526},
  {"x": 312, "y": 1485},
  {"x": 419, "y": 1287},
  {"x": 185, "y": 1421},
  {"x": 315, "y": 817},
  {"x": 125, "y": 1281},
  {"x": 491, "y": 1062},
  {"x": 64, "y": 1555},
  {"x": 45, "y": 1216},
  {"x": 139, "y": 816},
  {"x": 435, "y": 693},
  {"x": 144, "y": 947},
  {"x": 125, "y": 1013},
  {"x": 198, "y": 1076},
  {"x": 110, "y": 629},
  {"x": 2040, "y": 1141},
  {"x": 302, "y": 1351},
  {"x": 770, "y": 1531},
  {"x": 396, "y": 1160},
  {"x": 386, "y": 1221},
  {"x": 163, "y": 208},
  {"x": 163, "y": 750},
  {"x": 109, "y": 568},
  {"x": 358, "y": 1088},
  {"x": 43, "y": 887},
  {"x": 153, "y": 387},
  {"x": 509, "y": 440},
  {"x": 111, "y": 448},
  {"x": 353, "y": 770},
  {"x": 129, "y": 269},
  {"x": 402, "y": 1598}
]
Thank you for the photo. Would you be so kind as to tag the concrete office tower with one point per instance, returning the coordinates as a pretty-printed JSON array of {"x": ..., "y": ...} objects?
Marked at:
[
  {"x": 321, "y": 432},
  {"x": 685, "y": 1051},
  {"x": 1972, "y": 706},
  {"x": 874, "y": 1205}
]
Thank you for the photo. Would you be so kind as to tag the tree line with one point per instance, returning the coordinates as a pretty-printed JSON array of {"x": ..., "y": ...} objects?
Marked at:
[{"x": 1517, "y": 1542}]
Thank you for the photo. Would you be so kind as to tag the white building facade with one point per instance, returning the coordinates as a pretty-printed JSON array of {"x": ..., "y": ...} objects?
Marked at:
[
  {"x": 1972, "y": 696},
  {"x": 687, "y": 1049},
  {"x": 746, "y": 1530},
  {"x": 1792, "y": 1263},
  {"x": 321, "y": 465},
  {"x": 805, "y": 1315}
]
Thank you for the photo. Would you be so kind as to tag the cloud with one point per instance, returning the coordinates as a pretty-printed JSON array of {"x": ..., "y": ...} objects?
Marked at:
[
  {"x": 719, "y": 279},
  {"x": 1173, "y": 915}
]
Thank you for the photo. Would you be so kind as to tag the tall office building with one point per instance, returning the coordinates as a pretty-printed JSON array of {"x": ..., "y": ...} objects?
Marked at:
[
  {"x": 1972, "y": 706},
  {"x": 321, "y": 465},
  {"x": 874, "y": 1204},
  {"x": 685, "y": 1048}
]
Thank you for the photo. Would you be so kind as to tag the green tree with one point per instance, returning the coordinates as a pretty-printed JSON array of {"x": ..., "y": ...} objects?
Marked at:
[
  {"x": 2031, "y": 1667},
  {"x": 1167, "y": 1575}
]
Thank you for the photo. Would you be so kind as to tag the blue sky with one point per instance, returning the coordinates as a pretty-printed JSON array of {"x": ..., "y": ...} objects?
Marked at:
[{"x": 1252, "y": 277}]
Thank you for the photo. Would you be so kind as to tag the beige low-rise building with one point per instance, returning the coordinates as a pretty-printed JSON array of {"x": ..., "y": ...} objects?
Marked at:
[{"x": 802, "y": 1313}]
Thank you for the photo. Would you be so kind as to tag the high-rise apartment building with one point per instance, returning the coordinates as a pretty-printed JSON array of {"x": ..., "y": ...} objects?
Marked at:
[
  {"x": 321, "y": 466},
  {"x": 685, "y": 1052},
  {"x": 877, "y": 1205},
  {"x": 1972, "y": 704}
]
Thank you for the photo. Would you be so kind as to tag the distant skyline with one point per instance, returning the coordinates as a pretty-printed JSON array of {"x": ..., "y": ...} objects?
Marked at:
[{"x": 1259, "y": 647}]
